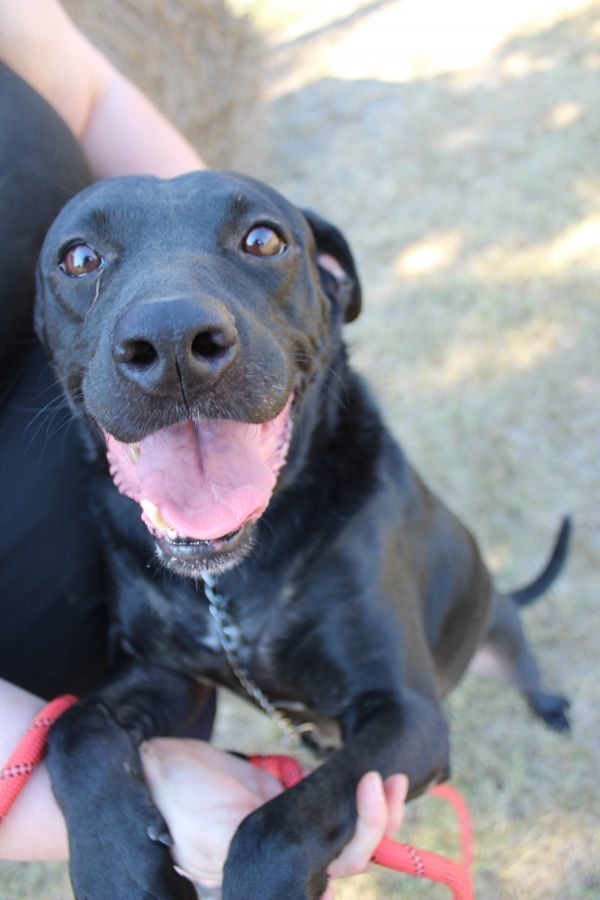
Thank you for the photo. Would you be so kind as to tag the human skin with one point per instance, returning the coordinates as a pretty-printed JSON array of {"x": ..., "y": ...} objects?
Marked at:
[{"x": 95, "y": 100}]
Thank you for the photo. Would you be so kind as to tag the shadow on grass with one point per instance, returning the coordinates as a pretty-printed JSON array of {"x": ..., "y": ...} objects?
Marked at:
[{"x": 468, "y": 201}]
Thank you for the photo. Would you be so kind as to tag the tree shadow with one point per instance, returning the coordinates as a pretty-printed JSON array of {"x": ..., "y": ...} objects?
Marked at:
[
  {"x": 535, "y": 97},
  {"x": 341, "y": 23},
  {"x": 467, "y": 200}
]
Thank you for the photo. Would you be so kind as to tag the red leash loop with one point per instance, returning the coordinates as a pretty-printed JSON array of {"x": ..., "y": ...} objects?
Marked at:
[
  {"x": 29, "y": 752},
  {"x": 393, "y": 854}
]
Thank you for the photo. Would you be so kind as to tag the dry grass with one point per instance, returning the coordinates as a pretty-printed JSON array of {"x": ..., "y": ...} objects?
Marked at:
[
  {"x": 200, "y": 63},
  {"x": 456, "y": 144}
]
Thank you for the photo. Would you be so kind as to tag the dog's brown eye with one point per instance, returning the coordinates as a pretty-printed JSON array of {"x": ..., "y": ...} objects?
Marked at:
[
  {"x": 80, "y": 259},
  {"x": 262, "y": 240}
]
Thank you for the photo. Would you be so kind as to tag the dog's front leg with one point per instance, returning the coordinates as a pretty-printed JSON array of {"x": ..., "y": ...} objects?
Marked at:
[
  {"x": 118, "y": 841},
  {"x": 284, "y": 848}
]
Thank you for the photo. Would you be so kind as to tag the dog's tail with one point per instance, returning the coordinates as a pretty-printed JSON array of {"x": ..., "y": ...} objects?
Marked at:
[{"x": 526, "y": 595}]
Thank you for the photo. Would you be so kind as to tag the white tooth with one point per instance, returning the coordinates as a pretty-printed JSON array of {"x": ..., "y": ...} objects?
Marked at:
[
  {"x": 154, "y": 514},
  {"x": 172, "y": 533},
  {"x": 133, "y": 452}
]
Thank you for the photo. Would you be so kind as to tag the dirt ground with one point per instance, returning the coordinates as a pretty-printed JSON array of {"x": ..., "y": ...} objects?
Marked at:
[{"x": 457, "y": 146}]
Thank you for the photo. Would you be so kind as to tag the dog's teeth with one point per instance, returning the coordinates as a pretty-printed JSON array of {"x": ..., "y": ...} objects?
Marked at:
[
  {"x": 154, "y": 514},
  {"x": 133, "y": 451}
]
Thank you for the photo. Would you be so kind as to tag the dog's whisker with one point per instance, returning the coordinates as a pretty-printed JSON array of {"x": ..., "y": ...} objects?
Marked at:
[
  {"x": 56, "y": 402},
  {"x": 329, "y": 389},
  {"x": 341, "y": 381},
  {"x": 51, "y": 411},
  {"x": 52, "y": 432}
]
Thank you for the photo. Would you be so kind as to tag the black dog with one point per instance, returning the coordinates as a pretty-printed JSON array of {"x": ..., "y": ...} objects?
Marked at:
[{"x": 196, "y": 326}]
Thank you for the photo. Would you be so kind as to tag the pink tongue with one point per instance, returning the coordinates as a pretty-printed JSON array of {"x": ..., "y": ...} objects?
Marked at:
[{"x": 205, "y": 479}]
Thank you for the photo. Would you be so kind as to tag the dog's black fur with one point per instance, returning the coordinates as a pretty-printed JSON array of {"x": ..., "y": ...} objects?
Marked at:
[{"x": 357, "y": 594}]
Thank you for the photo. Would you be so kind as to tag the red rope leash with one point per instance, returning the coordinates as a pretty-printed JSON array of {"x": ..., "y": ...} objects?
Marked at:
[
  {"x": 29, "y": 752},
  {"x": 393, "y": 854}
]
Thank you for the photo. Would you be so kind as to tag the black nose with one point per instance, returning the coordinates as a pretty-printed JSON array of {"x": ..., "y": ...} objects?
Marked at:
[{"x": 174, "y": 344}]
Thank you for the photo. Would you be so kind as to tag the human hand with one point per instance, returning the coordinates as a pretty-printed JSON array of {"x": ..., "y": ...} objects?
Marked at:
[
  {"x": 380, "y": 809},
  {"x": 204, "y": 794}
]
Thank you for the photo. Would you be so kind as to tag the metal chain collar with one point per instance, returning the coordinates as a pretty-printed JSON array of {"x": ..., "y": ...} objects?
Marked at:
[{"x": 230, "y": 638}]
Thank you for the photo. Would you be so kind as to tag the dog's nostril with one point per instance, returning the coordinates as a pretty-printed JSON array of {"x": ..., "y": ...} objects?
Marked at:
[
  {"x": 139, "y": 353},
  {"x": 208, "y": 344}
]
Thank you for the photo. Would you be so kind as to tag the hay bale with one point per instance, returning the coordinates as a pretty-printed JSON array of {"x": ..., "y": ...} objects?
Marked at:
[{"x": 198, "y": 61}]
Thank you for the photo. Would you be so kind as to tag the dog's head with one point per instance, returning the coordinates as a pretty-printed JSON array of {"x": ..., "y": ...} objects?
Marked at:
[{"x": 189, "y": 320}]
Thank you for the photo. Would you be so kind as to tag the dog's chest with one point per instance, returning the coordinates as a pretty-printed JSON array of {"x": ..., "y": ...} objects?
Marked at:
[
  {"x": 251, "y": 646},
  {"x": 177, "y": 625},
  {"x": 171, "y": 626}
]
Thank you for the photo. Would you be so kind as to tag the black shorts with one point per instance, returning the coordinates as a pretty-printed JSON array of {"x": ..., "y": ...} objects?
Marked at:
[{"x": 53, "y": 578}]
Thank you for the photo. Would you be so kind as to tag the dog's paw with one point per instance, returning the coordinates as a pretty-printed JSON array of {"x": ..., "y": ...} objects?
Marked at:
[
  {"x": 263, "y": 862},
  {"x": 112, "y": 862},
  {"x": 552, "y": 708},
  {"x": 129, "y": 873}
]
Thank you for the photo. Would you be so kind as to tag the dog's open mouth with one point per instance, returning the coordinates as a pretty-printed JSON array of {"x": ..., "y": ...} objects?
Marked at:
[{"x": 200, "y": 483}]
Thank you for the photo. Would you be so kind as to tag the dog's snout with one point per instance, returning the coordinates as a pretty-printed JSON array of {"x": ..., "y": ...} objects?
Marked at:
[{"x": 169, "y": 344}]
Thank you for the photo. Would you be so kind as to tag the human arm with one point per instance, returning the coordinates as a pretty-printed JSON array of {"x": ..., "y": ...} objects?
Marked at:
[
  {"x": 192, "y": 783},
  {"x": 34, "y": 828},
  {"x": 120, "y": 130}
]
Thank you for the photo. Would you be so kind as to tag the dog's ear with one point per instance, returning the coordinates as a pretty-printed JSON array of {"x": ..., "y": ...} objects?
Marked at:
[{"x": 337, "y": 266}]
